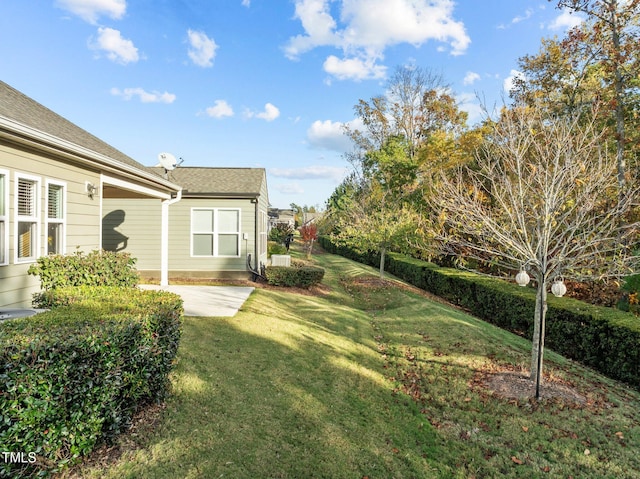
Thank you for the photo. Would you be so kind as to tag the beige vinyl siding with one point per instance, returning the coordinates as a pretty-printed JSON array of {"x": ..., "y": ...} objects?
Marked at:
[
  {"x": 82, "y": 216},
  {"x": 134, "y": 226}
]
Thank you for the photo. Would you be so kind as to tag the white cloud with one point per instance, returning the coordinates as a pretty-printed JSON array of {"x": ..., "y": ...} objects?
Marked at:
[
  {"x": 246, "y": 3},
  {"x": 90, "y": 10},
  {"x": 328, "y": 135},
  {"x": 270, "y": 113},
  {"x": 368, "y": 27},
  {"x": 118, "y": 49},
  {"x": 203, "y": 49},
  {"x": 508, "y": 83},
  {"x": 521, "y": 18},
  {"x": 353, "y": 68},
  {"x": 566, "y": 20},
  {"x": 317, "y": 172},
  {"x": 220, "y": 109},
  {"x": 288, "y": 188},
  {"x": 470, "y": 78},
  {"x": 144, "y": 96}
]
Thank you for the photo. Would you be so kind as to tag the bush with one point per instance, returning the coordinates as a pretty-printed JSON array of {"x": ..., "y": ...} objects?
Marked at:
[
  {"x": 275, "y": 248},
  {"x": 603, "y": 338},
  {"x": 298, "y": 275},
  {"x": 74, "y": 376},
  {"x": 98, "y": 268}
]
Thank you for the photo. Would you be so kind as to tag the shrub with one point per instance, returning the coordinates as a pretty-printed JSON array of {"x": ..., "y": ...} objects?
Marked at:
[
  {"x": 298, "y": 275},
  {"x": 603, "y": 338},
  {"x": 275, "y": 248},
  {"x": 74, "y": 376},
  {"x": 98, "y": 268},
  {"x": 280, "y": 232}
]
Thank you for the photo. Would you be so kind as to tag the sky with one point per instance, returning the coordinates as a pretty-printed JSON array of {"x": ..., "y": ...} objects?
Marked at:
[{"x": 257, "y": 83}]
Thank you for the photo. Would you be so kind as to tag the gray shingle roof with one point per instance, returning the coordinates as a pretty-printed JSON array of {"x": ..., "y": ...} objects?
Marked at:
[
  {"x": 19, "y": 107},
  {"x": 216, "y": 181}
]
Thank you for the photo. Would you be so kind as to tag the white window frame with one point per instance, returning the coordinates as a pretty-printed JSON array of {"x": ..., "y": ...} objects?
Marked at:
[
  {"x": 215, "y": 232},
  {"x": 58, "y": 221},
  {"x": 4, "y": 218},
  {"x": 33, "y": 219},
  {"x": 264, "y": 226}
]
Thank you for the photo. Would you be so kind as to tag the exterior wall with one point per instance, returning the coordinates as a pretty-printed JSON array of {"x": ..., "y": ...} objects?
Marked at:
[
  {"x": 133, "y": 226},
  {"x": 181, "y": 260},
  {"x": 81, "y": 224},
  {"x": 140, "y": 223},
  {"x": 263, "y": 219}
]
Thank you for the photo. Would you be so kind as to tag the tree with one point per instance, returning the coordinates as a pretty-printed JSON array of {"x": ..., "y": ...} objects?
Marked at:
[
  {"x": 309, "y": 234},
  {"x": 596, "y": 62},
  {"x": 542, "y": 197},
  {"x": 376, "y": 214},
  {"x": 404, "y": 110},
  {"x": 616, "y": 35},
  {"x": 376, "y": 223}
]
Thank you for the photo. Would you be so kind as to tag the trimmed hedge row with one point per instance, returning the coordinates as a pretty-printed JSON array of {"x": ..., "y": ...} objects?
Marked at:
[
  {"x": 296, "y": 275},
  {"x": 74, "y": 376},
  {"x": 605, "y": 339},
  {"x": 98, "y": 268}
]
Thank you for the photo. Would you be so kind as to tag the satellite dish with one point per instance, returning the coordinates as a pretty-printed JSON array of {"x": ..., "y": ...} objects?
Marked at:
[{"x": 167, "y": 161}]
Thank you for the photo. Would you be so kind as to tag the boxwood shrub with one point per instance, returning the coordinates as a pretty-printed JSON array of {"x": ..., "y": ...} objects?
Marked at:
[
  {"x": 72, "y": 377},
  {"x": 302, "y": 276},
  {"x": 98, "y": 268},
  {"x": 603, "y": 338}
]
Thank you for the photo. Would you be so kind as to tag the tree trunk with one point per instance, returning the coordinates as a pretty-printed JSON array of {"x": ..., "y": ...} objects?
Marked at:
[
  {"x": 383, "y": 250},
  {"x": 537, "y": 351}
]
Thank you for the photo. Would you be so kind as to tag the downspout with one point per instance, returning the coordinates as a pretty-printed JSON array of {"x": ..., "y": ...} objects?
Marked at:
[
  {"x": 164, "y": 239},
  {"x": 256, "y": 236}
]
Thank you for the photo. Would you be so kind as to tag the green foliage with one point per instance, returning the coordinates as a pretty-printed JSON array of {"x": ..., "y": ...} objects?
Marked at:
[
  {"x": 602, "y": 338},
  {"x": 280, "y": 232},
  {"x": 73, "y": 376},
  {"x": 297, "y": 275},
  {"x": 98, "y": 268},
  {"x": 274, "y": 247}
]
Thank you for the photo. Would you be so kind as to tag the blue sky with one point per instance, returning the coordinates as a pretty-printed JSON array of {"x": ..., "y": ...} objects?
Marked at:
[{"x": 256, "y": 83}]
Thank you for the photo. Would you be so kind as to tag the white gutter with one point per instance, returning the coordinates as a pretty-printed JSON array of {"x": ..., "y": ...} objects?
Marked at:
[{"x": 164, "y": 239}]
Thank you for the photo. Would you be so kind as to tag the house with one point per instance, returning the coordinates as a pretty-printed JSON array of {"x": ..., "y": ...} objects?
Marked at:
[
  {"x": 54, "y": 179},
  {"x": 219, "y": 219},
  {"x": 60, "y": 188},
  {"x": 279, "y": 216}
]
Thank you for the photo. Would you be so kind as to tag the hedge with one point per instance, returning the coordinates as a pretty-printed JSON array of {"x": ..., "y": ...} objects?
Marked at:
[
  {"x": 73, "y": 377},
  {"x": 605, "y": 339},
  {"x": 302, "y": 276}
]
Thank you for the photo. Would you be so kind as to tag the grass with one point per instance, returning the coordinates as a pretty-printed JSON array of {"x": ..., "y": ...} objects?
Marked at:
[{"x": 371, "y": 380}]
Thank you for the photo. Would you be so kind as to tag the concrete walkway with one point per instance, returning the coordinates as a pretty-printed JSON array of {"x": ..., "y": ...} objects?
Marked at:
[{"x": 208, "y": 300}]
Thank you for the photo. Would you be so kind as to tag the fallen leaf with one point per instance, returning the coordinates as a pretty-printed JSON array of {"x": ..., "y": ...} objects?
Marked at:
[
  {"x": 525, "y": 428},
  {"x": 395, "y": 450},
  {"x": 546, "y": 469},
  {"x": 620, "y": 435},
  {"x": 587, "y": 452},
  {"x": 516, "y": 460}
]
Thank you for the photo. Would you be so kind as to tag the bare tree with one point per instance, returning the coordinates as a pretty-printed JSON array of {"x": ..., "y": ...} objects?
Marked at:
[{"x": 543, "y": 196}]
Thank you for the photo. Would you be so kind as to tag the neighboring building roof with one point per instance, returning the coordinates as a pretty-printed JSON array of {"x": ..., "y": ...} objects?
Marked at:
[
  {"x": 214, "y": 181},
  {"x": 17, "y": 106}
]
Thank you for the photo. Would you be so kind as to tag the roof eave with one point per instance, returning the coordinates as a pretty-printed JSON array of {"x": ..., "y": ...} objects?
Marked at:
[{"x": 19, "y": 133}]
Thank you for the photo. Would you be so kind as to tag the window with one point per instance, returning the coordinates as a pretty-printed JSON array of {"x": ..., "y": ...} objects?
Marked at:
[
  {"x": 55, "y": 221},
  {"x": 264, "y": 226},
  {"x": 215, "y": 232},
  {"x": 4, "y": 205},
  {"x": 26, "y": 218}
]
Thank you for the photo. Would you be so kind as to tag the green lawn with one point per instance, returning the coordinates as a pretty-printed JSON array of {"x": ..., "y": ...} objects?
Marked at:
[{"x": 371, "y": 381}]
